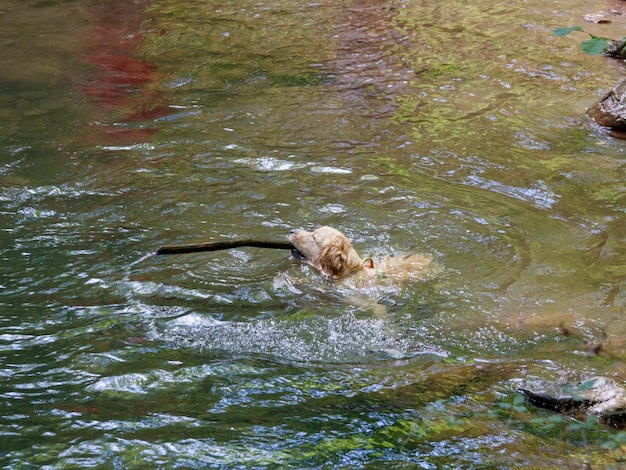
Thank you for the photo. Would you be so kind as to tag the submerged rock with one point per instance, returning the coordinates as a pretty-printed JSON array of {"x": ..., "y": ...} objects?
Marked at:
[
  {"x": 600, "y": 396},
  {"x": 616, "y": 49},
  {"x": 610, "y": 110}
]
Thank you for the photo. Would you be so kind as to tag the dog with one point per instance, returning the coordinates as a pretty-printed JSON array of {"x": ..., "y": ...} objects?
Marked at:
[{"x": 330, "y": 252}]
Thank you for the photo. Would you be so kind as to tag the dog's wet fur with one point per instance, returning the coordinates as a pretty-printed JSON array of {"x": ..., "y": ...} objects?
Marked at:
[{"x": 331, "y": 252}]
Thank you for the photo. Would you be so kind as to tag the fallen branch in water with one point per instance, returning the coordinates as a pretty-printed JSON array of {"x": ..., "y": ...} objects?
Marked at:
[{"x": 224, "y": 245}]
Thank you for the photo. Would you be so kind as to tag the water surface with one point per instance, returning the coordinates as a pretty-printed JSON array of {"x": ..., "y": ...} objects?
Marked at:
[{"x": 453, "y": 130}]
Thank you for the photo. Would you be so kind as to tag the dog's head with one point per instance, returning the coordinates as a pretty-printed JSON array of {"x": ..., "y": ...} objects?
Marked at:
[{"x": 328, "y": 250}]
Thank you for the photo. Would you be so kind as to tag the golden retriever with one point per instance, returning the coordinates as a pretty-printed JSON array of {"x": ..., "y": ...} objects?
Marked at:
[{"x": 331, "y": 252}]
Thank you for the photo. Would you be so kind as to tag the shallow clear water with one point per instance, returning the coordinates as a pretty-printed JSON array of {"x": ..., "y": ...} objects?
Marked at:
[{"x": 450, "y": 129}]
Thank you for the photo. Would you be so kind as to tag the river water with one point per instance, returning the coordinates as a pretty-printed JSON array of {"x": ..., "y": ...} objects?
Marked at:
[{"x": 450, "y": 129}]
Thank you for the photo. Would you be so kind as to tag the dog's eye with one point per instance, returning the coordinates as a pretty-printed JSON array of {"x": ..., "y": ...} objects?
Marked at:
[{"x": 313, "y": 237}]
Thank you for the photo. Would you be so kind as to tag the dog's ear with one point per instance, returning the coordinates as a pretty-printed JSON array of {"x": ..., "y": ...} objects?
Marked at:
[{"x": 333, "y": 261}]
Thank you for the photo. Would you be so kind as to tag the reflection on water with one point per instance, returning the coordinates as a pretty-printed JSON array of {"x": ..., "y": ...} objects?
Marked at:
[{"x": 457, "y": 131}]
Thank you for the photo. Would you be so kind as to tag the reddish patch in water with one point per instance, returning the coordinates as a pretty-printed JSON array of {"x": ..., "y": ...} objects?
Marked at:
[{"x": 119, "y": 84}]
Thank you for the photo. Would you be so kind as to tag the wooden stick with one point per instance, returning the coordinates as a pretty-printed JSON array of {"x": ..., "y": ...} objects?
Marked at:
[{"x": 224, "y": 245}]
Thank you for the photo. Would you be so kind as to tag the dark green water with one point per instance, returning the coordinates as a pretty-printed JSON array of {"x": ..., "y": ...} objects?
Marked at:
[{"x": 450, "y": 129}]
